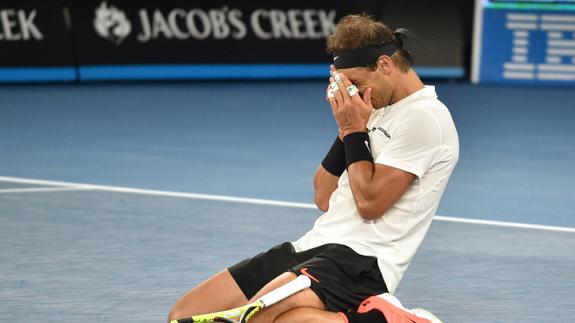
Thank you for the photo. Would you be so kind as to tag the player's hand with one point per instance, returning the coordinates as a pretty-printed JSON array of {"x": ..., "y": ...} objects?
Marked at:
[
  {"x": 351, "y": 112},
  {"x": 328, "y": 96}
]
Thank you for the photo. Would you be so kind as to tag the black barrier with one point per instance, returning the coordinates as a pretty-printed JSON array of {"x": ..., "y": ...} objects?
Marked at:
[
  {"x": 34, "y": 42},
  {"x": 202, "y": 39}
]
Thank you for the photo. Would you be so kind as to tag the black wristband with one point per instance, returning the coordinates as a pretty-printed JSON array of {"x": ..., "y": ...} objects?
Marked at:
[
  {"x": 334, "y": 161},
  {"x": 357, "y": 148}
]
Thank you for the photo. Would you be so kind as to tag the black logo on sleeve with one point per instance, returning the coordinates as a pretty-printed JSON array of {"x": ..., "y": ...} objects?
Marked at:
[{"x": 380, "y": 129}]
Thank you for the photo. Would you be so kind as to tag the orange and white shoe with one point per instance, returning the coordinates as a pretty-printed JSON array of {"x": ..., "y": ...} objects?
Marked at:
[{"x": 394, "y": 311}]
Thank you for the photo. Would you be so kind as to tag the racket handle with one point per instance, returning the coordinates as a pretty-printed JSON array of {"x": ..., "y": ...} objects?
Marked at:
[{"x": 300, "y": 283}]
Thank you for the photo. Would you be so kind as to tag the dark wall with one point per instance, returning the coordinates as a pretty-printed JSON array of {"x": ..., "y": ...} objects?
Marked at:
[{"x": 444, "y": 25}]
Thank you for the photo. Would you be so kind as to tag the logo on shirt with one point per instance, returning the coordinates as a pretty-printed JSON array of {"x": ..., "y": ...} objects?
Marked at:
[{"x": 380, "y": 129}]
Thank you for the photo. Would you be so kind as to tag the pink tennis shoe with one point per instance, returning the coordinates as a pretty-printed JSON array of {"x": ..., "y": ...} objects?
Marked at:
[{"x": 394, "y": 311}]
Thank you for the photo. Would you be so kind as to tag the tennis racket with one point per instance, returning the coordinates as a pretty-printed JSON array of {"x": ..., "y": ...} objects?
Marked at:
[{"x": 246, "y": 312}]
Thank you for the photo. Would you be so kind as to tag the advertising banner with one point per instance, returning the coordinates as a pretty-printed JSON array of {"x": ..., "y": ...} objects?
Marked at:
[
  {"x": 65, "y": 40},
  {"x": 133, "y": 39},
  {"x": 525, "y": 44}
]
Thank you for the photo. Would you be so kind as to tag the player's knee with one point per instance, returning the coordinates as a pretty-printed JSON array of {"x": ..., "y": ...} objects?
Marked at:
[
  {"x": 172, "y": 315},
  {"x": 177, "y": 312}
]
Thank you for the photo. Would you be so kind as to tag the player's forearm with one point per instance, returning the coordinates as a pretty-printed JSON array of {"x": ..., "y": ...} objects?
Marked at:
[
  {"x": 360, "y": 179},
  {"x": 361, "y": 170},
  {"x": 324, "y": 184},
  {"x": 376, "y": 187},
  {"x": 328, "y": 173}
]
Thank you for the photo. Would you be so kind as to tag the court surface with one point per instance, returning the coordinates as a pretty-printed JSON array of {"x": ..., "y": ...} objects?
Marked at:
[{"x": 115, "y": 199}]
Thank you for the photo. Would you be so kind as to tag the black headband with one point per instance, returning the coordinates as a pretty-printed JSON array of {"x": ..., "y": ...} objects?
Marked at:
[{"x": 368, "y": 55}]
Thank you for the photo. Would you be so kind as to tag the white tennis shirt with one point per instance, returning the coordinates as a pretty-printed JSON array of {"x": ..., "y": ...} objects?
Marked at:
[{"x": 417, "y": 135}]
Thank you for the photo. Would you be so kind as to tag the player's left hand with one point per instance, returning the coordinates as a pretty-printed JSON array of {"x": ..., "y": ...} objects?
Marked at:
[{"x": 351, "y": 112}]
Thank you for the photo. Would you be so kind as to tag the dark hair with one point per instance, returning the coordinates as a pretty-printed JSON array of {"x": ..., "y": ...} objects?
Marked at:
[{"x": 357, "y": 31}]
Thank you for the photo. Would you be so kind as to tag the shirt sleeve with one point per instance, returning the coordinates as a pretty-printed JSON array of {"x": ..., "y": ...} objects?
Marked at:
[{"x": 414, "y": 144}]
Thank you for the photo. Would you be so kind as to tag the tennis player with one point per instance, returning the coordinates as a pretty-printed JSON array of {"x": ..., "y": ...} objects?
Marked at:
[{"x": 379, "y": 185}]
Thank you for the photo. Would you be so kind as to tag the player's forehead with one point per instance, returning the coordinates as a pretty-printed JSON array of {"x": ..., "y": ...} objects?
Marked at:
[{"x": 355, "y": 73}]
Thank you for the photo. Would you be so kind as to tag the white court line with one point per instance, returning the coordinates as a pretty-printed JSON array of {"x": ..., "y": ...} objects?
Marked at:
[
  {"x": 504, "y": 224},
  {"x": 196, "y": 196},
  {"x": 234, "y": 199},
  {"x": 39, "y": 189}
]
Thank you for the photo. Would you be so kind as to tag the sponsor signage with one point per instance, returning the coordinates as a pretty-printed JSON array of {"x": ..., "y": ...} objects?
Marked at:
[
  {"x": 526, "y": 45},
  {"x": 203, "y": 39},
  {"x": 181, "y": 39},
  {"x": 34, "y": 42}
]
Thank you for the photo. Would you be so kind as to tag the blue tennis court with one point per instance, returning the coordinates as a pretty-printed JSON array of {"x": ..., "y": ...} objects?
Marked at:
[{"x": 115, "y": 199}]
